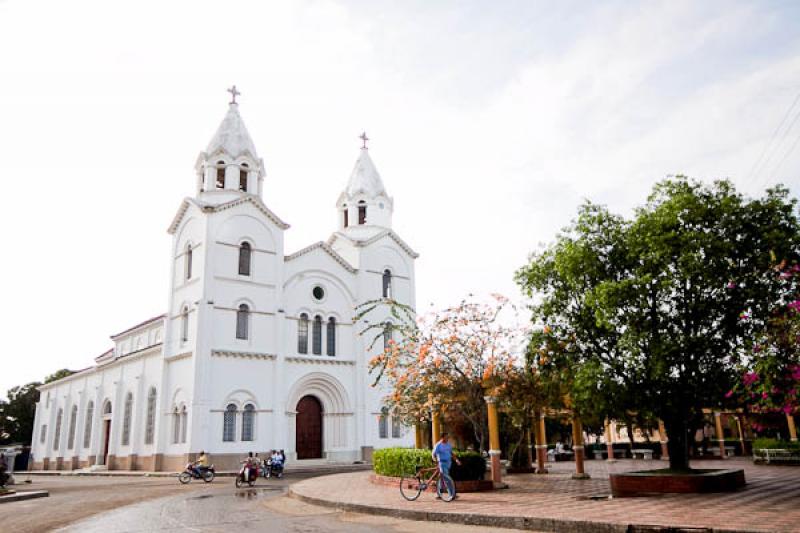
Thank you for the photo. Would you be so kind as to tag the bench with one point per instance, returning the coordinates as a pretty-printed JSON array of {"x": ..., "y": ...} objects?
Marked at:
[
  {"x": 730, "y": 451},
  {"x": 776, "y": 455},
  {"x": 642, "y": 453}
]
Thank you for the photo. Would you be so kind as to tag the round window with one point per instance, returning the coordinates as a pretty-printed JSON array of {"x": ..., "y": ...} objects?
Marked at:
[{"x": 318, "y": 292}]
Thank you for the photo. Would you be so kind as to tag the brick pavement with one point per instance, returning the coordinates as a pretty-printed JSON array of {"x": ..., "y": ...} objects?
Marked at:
[{"x": 554, "y": 502}]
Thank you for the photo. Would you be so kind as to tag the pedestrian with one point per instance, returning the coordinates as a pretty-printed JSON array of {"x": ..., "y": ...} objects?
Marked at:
[{"x": 442, "y": 453}]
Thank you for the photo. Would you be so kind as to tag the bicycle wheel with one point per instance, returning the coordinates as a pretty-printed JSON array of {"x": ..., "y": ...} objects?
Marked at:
[
  {"x": 410, "y": 487},
  {"x": 446, "y": 487},
  {"x": 185, "y": 477}
]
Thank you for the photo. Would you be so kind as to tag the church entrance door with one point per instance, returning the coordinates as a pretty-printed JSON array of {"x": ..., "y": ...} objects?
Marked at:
[
  {"x": 309, "y": 428},
  {"x": 106, "y": 439}
]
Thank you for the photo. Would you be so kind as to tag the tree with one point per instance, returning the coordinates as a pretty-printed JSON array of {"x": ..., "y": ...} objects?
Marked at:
[
  {"x": 17, "y": 414},
  {"x": 648, "y": 311},
  {"x": 55, "y": 376}
]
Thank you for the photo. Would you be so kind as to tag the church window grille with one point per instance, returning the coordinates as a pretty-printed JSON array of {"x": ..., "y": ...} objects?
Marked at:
[
  {"x": 383, "y": 424},
  {"x": 87, "y": 425},
  {"x": 248, "y": 422},
  {"x": 184, "y": 324},
  {"x": 220, "y": 174},
  {"x": 73, "y": 419},
  {"x": 126, "y": 420},
  {"x": 150, "y": 423},
  {"x": 346, "y": 217},
  {"x": 184, "y": 423},
  {"x": 362, "y": 212},
  {"x": 331, "y": 336},
  {"x": 316, "y": 346},
  {"x": 245, "y": 253},
  {"x": 242, "y": 319},
  {"x": 229, "y": 423},
  {"x": 188, "y": 261},
  {"x": 243, "y": 177},
  {"x": 387, "y": 283},
  {"x": 43, "y": 434},
  {"x": 57, "y": 434},
  {"x": 396, "y": 427},
  {"x": 176, "y": 426},
  {"x": 302, "y": 334}
]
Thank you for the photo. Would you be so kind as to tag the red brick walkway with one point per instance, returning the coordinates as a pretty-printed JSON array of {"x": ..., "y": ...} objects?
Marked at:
[{"x": 555, "y": 502}]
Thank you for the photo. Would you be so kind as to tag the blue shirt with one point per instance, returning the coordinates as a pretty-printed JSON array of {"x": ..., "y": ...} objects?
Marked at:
[{"x": 444, "y": 452}]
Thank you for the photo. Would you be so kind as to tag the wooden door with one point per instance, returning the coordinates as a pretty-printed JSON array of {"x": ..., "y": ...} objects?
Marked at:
[
  {"x": 309, "y": 428},
  {"x": 106, "y": 439}
]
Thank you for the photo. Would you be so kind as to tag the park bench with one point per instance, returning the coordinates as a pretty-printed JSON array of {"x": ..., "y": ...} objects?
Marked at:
[
  {"x": 642, "y": 453},
  {"x": 776, "y": 455},
  {"x": 730, "y": 451}
]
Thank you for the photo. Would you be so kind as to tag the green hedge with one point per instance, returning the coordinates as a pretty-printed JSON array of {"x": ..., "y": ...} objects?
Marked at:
[
  {"x": 397, "y": 462},
  {"x": 773, "y": 444}
]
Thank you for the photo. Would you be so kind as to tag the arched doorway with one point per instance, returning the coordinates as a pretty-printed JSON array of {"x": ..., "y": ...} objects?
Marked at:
[
  {"x": 106, "y": 434},
  {"x": 309, "y": 428}
]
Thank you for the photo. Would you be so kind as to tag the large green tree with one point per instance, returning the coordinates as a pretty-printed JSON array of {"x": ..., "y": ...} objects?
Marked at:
[
  {"x": 18, "y": 412},
  {"x": 648, "y": 311}
]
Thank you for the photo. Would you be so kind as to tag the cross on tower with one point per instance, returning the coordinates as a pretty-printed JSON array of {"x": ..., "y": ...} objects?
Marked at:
[
  {"x": 234, "y": 94},
  {"x": 364, "y": 138}
]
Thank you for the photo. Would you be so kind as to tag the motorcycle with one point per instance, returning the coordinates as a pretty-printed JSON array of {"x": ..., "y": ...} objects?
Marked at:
[
  {"x": 191, "y": 473},
  {"x": 247, "y": 474},
  {"x": 273, "y": 469}
]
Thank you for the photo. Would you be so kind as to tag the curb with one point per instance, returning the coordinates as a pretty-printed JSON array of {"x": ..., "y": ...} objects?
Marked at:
[{"x": 19, "y": 496}]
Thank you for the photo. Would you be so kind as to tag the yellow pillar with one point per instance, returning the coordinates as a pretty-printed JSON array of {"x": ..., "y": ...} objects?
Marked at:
[
  {"x": 541, "y": 443},
  {"x": 720, "y": 433},
  {"x": 577, "y": 447},
  {"x": 662, "y": 434},
  {"x": 494, "y": 438},
  {"x": 792, "y": 427},
  {"x": 609, "y": 441},
  {"x": 436, "y": 426},
  {"x": 740, "y": 431},
  {"x": 418, "y": 444}
]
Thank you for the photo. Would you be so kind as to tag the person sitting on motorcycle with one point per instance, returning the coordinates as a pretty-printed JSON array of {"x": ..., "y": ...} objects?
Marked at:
[
  {"x": 276, "y": 462},
  {"x": 201, "y": 465}
]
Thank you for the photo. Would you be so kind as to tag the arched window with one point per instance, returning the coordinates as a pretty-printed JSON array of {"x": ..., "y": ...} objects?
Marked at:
[
  {"x": 383, "y": 424},
  {"x": 150, "y": 422},
  {"x": 242, "y": 319},
  {"x": 245, "y": 252},
  {"x": 243, "y": 177},
  {"x": 331, "y": 336},
  {"x": 107, "y": 408},
  {"x": 387, "y": 283},
  {"x": 387, "y": 335},
  {"x": 316, "y": 336},
  {"x": 248, "y": 421},
  {"x": 302, "y": 334},
  {"x": 184, "y": 423},
  {"x": 362, "y": 212},
  {"x": 396, "y": 429},
  {"x": 126, "y": 420},
  {"x": 43, "y": 434},
  {"x": 176, "y": 425},
  {"x": 346, "y": 216},
  {"x": 185, "y": 324},
  {"x": 87, "y": 425},
  {"x": 220, "y": 174},
  {"x": 188, "y": 261},
  {"x": 229, "y": 423},
  {"x": 73, "y": 419},
  {"x": 57, "y": 434}
]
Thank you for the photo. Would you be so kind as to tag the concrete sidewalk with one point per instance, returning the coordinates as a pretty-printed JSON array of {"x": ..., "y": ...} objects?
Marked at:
[
  {"x": 290, "y": 469},
  {"x": 555, "y": 502}
]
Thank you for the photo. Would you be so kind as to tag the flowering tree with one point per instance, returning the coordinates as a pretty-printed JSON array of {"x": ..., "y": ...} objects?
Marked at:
[{"x": 447, "y": 359}]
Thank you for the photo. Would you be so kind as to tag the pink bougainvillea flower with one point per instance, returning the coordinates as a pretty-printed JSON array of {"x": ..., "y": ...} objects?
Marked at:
[
  {"x": 787, "y": 409},
  {"x": 794, "y": 306},
  {"x": 729, "y": 394},
  {"x": 750, "y": 378},
  {"x": 764, "y": 395},
  {"x": 731, "y": 285}
]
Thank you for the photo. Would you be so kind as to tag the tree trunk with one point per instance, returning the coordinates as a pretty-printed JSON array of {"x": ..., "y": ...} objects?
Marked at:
[{"x": 678, "y": 445}]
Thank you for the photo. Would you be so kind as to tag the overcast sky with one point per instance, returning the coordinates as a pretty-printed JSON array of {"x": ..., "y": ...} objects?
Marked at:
[{"x": 490, "y": 122}]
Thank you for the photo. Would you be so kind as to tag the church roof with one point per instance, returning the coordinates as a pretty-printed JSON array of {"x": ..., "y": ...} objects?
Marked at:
[
  {"x": 378, "y": 236},
  {"x": 231, "y": 136},
  {"x": 140, "y": 324},
  {"x": 211, "y": 208},
  {"x": 326, "y": 248},
  {"x": 365, "y": 178}
]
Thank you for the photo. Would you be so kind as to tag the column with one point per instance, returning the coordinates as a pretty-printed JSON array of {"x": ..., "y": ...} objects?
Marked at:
[
  {"x": 720, "y": 433},
  {"x": 436, "y": 426},
  {"x": 609, "y": 441},
  {"x": 541, "y": 442},
  {"x": 494, "y": 439},
  {"x": 662, "y": 434},
  {"x": 577, "y": 447},
  {"x": 792, "y": 427},
  {"x": 418, "y": 435},
  {"x": 740, "y": 431}
]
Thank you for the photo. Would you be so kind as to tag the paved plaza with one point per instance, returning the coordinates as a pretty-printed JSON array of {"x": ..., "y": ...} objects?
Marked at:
[{"x": 555, "y": 502}]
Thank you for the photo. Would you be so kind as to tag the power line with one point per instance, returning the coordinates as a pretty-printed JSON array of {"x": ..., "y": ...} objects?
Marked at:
[
  {"x": 783, "y": 160},
  {"x": 758, "y": 164}
]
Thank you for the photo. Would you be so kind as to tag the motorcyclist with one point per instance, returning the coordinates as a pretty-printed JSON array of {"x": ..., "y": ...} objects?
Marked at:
[{"x": 201, "y": 465}]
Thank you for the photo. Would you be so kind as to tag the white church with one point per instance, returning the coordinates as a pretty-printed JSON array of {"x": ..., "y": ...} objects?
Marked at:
[{"x": 257, "y": 350}]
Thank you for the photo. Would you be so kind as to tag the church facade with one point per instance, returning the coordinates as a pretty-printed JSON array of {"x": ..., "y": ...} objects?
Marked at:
[{"x": 257, "y": 350}]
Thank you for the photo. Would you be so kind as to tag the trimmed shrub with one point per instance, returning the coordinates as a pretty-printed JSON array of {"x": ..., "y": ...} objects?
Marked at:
[
  {"x": 397, "y": 462},
  {"x": 775, "y": 444}
]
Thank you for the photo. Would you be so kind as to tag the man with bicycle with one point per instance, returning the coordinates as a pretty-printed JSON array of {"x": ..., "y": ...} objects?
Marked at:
[{"x": 443, "y": 455}]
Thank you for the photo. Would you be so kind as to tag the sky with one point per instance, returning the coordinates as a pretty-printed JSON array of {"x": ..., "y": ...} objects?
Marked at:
[{"x": 491, "y": 121}]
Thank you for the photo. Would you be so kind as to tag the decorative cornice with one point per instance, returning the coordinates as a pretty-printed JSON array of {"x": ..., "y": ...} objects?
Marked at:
[
  {"x": 258, "y": 204},
  {"x": 243, "y": 355},
  {"x": 326, "y": 248},
  {"x": 319, "y": 360},
  {"x": 177, "y": 357},
  {"x": 366, "y": 242}
]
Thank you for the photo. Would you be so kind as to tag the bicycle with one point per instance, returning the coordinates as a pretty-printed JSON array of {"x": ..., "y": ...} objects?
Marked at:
[{"x": 412, "y": 486}]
